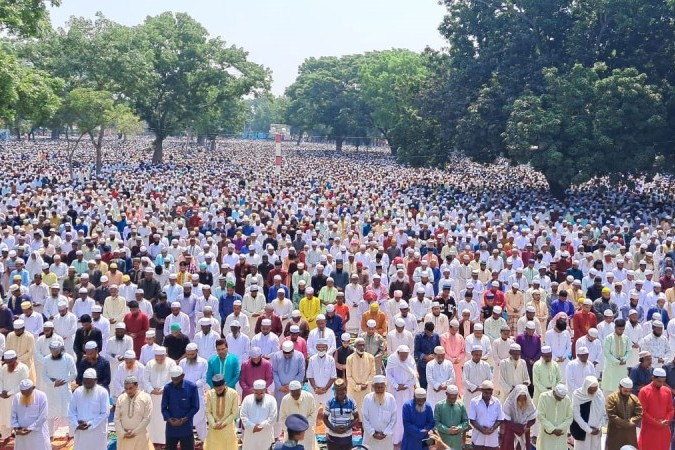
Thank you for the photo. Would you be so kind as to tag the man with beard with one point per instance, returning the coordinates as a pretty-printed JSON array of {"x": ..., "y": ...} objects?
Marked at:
[
  {"x": 360, "y": 370},
  {"x": 130, "y": 368},
  {"x": 300, "y": 402},
  {"x": 440, "y": 375},
  {"x": 222, "y": 409},
  {"x": 401, "y": 379},
  {"x": 624, "y": 413},
  {"x": 137, "y": 324},
  {"x": 132, "y": 417},
  {"x": 58, "y": 371},
  {"x": 258, "y": 414},
  {"x": 65, "y": 325},
  {"x": 180, "y": 404},
  {"x": 195, "y": 368},
  {"x": 255, "y": 368},
  {"x": 29, "y": 418},
  {"x": 418, "y": 420},
  {"x": 88, "y": 414},
  {"x": 451, "y": 418},
  {"x": 118, "y": 346},
  {"x": 42, "y": 348},
  {"x": 155, "y": 377},
  {"x": 23, "y": 344},
  {"x": 379, "y": 416},
  {"x": 11, "y": 374}
]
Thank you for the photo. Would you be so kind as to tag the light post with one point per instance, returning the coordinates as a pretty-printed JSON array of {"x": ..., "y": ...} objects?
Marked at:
[{"x": 277, "y": 151}]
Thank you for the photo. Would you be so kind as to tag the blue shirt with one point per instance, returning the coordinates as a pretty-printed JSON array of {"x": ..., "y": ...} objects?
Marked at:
[
  {"x": 640, "y": 377},
  {"x": 335, "y": 324},
  {"x": 229, "y": 368},
  {"x": 179, "y": 402},
  {"x": 226, "y": 305},
  {"x": 424, "y": 345},
  {"x": 413, "y": 424},
  {"x": 567, "y": 307},
  {"x": 340, "y": 414},
  {"x": 272, "y": 294}
]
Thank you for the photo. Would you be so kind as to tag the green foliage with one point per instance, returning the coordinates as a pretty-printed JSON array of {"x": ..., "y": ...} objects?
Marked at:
[
  {"x": 25, "y": 17},
  {"x": 265, "y": 110}
]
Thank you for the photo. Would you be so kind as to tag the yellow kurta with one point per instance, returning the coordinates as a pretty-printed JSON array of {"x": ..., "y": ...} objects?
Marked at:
[
  {"x": 24, "y": 346},
  {"x": 309, "y": 309},
  {"x": 219, "y": 411},
  {"x": 305, "y": 406},
  {"x": 360, "y": 370},
  {"x": 553, "y": 415},
  {"x": 133, "y": 414}
]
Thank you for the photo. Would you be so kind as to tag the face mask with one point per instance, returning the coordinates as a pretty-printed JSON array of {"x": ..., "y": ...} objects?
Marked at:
[
  {"x": 321, "y": 354},
  {"x": 561, "y": 326}
]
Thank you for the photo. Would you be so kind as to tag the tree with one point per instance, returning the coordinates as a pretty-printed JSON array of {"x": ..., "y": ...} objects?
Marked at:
[
  {"x": 327, "y": 93},
  {"x": 587, "y": 123},
  {"x": 92, "y": 112},
  {"x": 187, "y": 73},
  {"x": 389, "y": 83},
  {"x": 37, "y": 99},
  {"x": 264, "y": 111},
  {"x": 25, "y": 17}
]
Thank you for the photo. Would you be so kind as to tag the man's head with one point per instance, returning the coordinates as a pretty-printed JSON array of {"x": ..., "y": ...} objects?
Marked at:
[
  {"x": 176, "y": 373},
  {"x": 131, "y": 386},
  {"x": 659, "y": 377},
  {"x": 89, "y": 379},
  {"x": 221, "y": 348},
  {"x": 486, "y": 389}
]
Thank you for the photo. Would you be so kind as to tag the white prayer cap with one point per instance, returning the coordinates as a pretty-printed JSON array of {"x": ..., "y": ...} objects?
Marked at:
[
  {"x": 205, "y": 321},
  {"x": 379, "y": 379},
  {"x": 403, "y": 349},
  {"x": 657, "y": 324},
  {"x": 644, "y": 354},
  {"x": 530, "y": 325},
  {"x": 90, "y": 345},
  {"x": 420, "y": 393},
  {"x": 296, "y": 313},
  {"x": 266, "y": 323},
  {"x": 530, "y": 309},
  {"x": 346, "y": 337},
  {"x": 259, "y": 385},
  {"x": 320, "y": 317},
  {"x": 55, "y": 286},
  {"x": 104, "y": 278},
  {"x": 402, "y": 304},
  {"x": 497, "y": 309},
  {"x": 159, "y": 351},
  {"x": 150, "y": 333},
  {"x": 582, "y": 351},
  {"x": 588, "y": 302},
  {"x": 561, "y": 390},
  {"x": 454, "y": 323},
  {"x": 295, "y": 329},
  {"x": 192, "y": 347},
  {"x": 546, "y": 349},
  {"x": 656, "y": 316},
  {"x": 287, "y": 346},
  {"x": 400, "y": 322},
  {"x": 487, "y": 384},
  {"x": 96, "y": 308},
  {"x": 175, "y": 304},
  {"x": 371, "y": 323},
  {"x": 452, "y": 390},
  {"x": 9, "y": 354},
  {"x": 659, "y": 372},
  {"x": 294, "y": 385},
  {"x": 330, "y": 308},
  {"x": 90, "y": 374},
  {"x": 476, "y": 348},
  {"x": 593, "y": 332},
  {"x": 626, "y": 383},
  {"x": 237, "y": 303},
  {"x": 175, "y": 371},
  {"x": 608, "y": 313},
  {"x": 514, "y": 347},
  {"x": 26, "y": 384},
  {"x": 138, "y": 291},
  {"x": 129, "y": 354},
  {"x": 438, "y": 350},
  {"x": 478, "y": 327},
  {"x": 55, "y": 344},
  {"x": 120, "y": 326},
  {"x": 47, "y": 324},
  {"x": 18, "y": 324},
  {"x": 256, "y": 352}
]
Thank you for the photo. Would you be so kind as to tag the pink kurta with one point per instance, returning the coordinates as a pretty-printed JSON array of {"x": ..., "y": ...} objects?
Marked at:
[{"x": 456, "y": 353}]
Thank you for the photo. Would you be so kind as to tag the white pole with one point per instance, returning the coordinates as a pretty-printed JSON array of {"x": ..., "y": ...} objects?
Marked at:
[{"x": 277, "y": 154}]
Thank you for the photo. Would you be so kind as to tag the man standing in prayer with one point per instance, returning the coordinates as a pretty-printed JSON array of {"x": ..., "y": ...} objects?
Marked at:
[
  {"x": 451, "y": 418},
  {"x": 402, "y": 380},
  {"x": 440, "y": 375},
  {"x": 360, "y": 370},
  {"x": 578, "y": 369},
  {"x": 258, "y": 414},
  {"x": 624, "y": 412},
  {"x": 657, "y": 413},
  {"x": 485, "y": 415},
  {"x": 560, "y": 341},
  {"x": 379, "y": 416},
  {"x": 475, "y": 371},
  {"x": 555, "y": 417},
  {"x": 512, "y": 372},
  {"x": 225, "y": 364},
  {"x": 29, "y": 418},
  {"x": 58, "y": 371},
  {"x": 155, "y": 377},
  {"x": 418, "y": 421},
  {"x": 588, "y": 410},
  {"x": 617, "y": 348},
  {"x": 300, "y": 402},
  {"x": 24, "y": 345},
  {"x": 88, "y": 414},
  {"x": 455, "y": 350},
  {"x": 180, "y": 403},
  {"x": 195, "y": 368},
  {"x": 321, "y": 373},
  {"x": 288, "y": 365},
  {"x": 132, "y": 417},
  {"x": 11, "y": 375},
  {"x": 339, "y": 417},
  {"x": 222, "y": 408}
]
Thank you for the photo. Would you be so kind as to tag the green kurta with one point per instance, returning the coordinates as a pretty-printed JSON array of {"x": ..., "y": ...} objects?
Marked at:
[
  {"x": 615, "y": 348},
  {"x": 545, "y": 377},
  {"x": 447, "y": 416},
  {"x": 553, "y": 415}
]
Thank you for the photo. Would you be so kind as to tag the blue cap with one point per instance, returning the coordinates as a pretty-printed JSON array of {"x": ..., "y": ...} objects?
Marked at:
[{"x": 296, "y": 423}]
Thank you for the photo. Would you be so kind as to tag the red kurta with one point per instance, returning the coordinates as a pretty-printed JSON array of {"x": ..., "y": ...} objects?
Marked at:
[
  {"x": 137, "y": 324},
  {"x": 657, "y": 405},
  {"x": 582, "y": 322}
]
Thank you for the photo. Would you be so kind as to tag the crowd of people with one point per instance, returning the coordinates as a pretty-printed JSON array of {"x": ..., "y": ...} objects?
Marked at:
[{"x": 345, "y": 298}]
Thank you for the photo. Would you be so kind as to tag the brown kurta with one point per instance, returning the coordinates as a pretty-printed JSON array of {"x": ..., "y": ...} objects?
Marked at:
[{"x": 620, "y": 410}]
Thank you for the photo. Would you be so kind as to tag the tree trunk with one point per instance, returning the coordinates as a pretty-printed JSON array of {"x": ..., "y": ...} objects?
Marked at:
[
  {"x": 212, "y": 145},
  {"x": 557, "y": 189},
  {"x": 297, "y": 143},
  {"x": 201, "y": 139},
  {"x": 158, "y": 151},
  {"x": 56, "y": 134},
  {"x": 338, "y": 144},
  {"x": 18, "y": 133}
]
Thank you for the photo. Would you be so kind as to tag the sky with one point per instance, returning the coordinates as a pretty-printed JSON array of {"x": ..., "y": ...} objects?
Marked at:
[{"x": 281, "y": 34}]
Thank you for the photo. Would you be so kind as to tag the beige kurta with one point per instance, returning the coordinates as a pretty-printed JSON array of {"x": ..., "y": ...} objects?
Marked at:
[
  {"x": 9, "y": 382},
  {"x": 305, "y": 406},
  {"x": 133, "y": 414},
  {"x": 24, "y": 346},
  {"x": 221, "y": 411},
  {"x": 360, "y": 370},
  {"x": 115, "y": 308}
]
